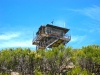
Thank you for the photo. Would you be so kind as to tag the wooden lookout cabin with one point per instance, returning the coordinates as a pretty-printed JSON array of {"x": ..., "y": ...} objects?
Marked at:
[{"x": 50, "y": 36}]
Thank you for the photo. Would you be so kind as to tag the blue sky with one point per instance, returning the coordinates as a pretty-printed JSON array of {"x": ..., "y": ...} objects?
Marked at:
[{"x": 20, "y": 20}]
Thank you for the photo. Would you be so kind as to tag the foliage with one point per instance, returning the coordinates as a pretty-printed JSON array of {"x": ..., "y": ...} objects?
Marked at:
[{"x": 56, "y": 61}]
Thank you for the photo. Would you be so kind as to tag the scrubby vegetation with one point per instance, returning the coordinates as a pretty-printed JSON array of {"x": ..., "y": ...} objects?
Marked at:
[{"x": 56, "y": 61}]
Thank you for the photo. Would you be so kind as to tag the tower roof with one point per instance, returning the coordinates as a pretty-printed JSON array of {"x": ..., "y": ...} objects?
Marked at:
[{"x": 61, "y": 28}]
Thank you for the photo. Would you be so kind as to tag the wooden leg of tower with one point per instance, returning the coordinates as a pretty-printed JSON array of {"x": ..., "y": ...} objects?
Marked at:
[{"x": 36, "y": 47}]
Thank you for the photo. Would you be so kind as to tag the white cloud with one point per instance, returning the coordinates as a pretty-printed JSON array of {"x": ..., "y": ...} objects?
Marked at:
[
  {"x": 15, "y": 39},
  {"x": 17, "y": 43},
  {"x": 8, "y": 36},
  {"x": 93, "y": 12},
  {"x": 78, "y": 39},
  {"x": 14, "y": 43}
]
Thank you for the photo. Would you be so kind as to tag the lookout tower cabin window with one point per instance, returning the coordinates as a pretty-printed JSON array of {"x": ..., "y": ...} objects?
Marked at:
[{"x": 54, "y": 30}]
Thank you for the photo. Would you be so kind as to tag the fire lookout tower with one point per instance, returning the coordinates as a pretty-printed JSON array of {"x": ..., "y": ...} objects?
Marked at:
[{"x": 50, "y": 36}]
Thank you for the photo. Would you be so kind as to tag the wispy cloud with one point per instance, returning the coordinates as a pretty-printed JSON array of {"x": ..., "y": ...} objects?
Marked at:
[
  {"x": 78, "y": 39},
  {"x": 8, "y": 36},
  {"x": 14, "y": 43},
  {"x": 15, "y": 39},
  {"x": 93, "y": 12}
]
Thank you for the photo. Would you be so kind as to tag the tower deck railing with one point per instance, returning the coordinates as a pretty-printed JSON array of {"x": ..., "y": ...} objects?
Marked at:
[{"x": 66, "y": 36}]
